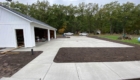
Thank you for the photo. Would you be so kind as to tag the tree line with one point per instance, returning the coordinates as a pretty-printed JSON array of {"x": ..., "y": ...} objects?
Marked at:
[{"x": 109, "y": 18}]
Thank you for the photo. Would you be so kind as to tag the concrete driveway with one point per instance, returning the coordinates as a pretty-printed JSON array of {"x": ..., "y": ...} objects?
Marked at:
[{"x": 44, "y": 68}]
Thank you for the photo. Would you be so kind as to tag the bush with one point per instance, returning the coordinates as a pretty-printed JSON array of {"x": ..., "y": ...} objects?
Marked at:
[{"x": 61, "y": 31}]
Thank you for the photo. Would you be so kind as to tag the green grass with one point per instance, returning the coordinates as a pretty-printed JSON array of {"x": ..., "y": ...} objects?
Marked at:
[{"x": 115, "y": 37}]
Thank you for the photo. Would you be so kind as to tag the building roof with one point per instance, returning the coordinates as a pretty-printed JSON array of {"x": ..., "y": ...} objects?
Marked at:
[{"x": 28, "y": 17}]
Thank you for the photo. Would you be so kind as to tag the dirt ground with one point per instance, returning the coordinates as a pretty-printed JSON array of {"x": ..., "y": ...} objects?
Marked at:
[
  {"x": 98, "y": 54},
  {"x": 61, "y": 36},
  {"x": 11, "y": 62},
  {"x": 2, "y": 48},
  {"x": 133, "y": 79}
]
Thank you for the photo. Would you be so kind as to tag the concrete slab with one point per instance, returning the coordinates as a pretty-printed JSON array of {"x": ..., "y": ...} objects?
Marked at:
[
  {"x": 62, "y": 71},
  {"x": 43, "y": 66},
  {"x": 126, "y": 70},
  {"x": 95, "y": 71},
  {"x": 90, "y": 42},
  {"x": 19, "y": 79},
  {"x": 33, "y": 71},
  {"x": 43, "y": 60}
]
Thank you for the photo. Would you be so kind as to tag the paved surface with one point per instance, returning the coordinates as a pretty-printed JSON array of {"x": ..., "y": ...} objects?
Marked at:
[{"x": 43, "y": 66}]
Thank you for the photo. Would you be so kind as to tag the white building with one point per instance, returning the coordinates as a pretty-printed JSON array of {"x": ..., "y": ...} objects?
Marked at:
[{"x": 17, "y": 29}]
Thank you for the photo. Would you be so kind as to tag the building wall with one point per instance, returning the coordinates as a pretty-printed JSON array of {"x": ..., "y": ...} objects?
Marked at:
[
  {"x": 8, "y": 23},
  {"x": 8, "y": 17}
]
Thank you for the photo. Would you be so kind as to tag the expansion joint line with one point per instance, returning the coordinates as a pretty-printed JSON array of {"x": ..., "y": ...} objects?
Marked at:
[
  {"x": 77, "y": 71},
  {"x": 47, "y": 72},
  {"x": 111, "y": 69}
]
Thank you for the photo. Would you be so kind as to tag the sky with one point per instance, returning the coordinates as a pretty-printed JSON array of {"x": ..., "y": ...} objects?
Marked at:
[{"x": 76, "y": 2}]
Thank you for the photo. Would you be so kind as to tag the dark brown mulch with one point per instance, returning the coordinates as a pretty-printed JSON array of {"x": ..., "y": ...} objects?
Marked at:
[
  {"x": 60, "y": 36},
  {"x": 13, "y": 61},
  {"x": 2, "y": 48},
  {"x": 133, "y": 79},
  {"x": 98, "y": 54}
]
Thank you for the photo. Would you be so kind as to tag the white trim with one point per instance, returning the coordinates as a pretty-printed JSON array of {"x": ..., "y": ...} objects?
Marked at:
[
  {"x": 51, "y": 28},
  {"x": 48, "y": 34},
  {"x": 16, "y": 14},
  {"x": 46, "y": 27},
  {"x": 8, "y": 24},
  {"x": 15, "y": 38},
  {"x": 55, "y": 34},
  {"x": 33, "y": 35}
]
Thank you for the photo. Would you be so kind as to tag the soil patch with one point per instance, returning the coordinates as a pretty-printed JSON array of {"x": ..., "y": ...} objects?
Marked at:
[
  {"x": 133, "y": 79},
  {"x": 83, "y": 54},
  {"x": 13, "y": 61},
  {"x": 60, "y": 36},
  {"x": 2, "y": 48},
  {"x": 97, "y": 54}
]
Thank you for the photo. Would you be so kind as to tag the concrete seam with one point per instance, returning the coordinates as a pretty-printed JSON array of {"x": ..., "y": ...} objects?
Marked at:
[
  {"x": 111, "y": 69},
  {"x": 47, "y": 72},
  {"x": 77, "y": 72}
]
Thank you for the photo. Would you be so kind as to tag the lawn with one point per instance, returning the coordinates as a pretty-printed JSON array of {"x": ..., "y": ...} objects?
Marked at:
[{"x": 134, "y": 39}]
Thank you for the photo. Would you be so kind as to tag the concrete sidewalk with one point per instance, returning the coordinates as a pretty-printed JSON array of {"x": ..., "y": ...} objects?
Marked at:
[{"x": 43, "y": 66}]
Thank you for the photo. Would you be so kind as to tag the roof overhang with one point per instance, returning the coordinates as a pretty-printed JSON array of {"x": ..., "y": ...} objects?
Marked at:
[
  {"x": 44, "y": 26},
  {"x": 30, "y": 21}
]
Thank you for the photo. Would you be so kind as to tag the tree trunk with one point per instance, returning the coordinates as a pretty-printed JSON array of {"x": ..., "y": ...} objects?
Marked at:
[{"x": 110, "y": 29}]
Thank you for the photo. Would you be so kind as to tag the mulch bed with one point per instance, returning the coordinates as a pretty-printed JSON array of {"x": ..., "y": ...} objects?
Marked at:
[
  {"x": 133, "y": 79},
  {"x": 2, "y": 48},
  {"x": 11, "y": 62},
  {"x": 98, "y": 54},
  {"x": 60, "y": 36}
]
